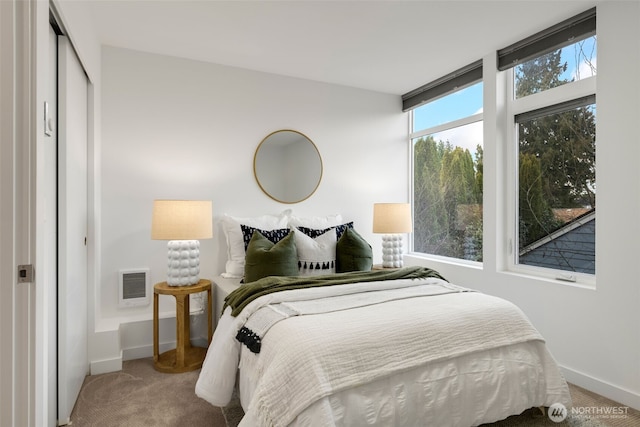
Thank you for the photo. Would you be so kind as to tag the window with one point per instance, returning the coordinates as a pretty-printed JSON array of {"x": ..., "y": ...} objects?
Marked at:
[
  {"x": 550, "y": 174},
  {"x": 446, "y": 142},
  {"x": 557, "y": 189},
  {"x": 556, "y": 68},
  {"x": 553, "y": 108}
]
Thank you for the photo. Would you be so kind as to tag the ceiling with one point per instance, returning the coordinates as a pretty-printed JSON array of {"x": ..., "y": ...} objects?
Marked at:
[{"x": 387, "y": 46}]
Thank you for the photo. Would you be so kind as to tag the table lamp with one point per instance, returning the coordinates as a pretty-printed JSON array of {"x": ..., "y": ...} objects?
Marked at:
[
  {"x": 392, "y": 219},
  {"x": 182, "y": 222}
]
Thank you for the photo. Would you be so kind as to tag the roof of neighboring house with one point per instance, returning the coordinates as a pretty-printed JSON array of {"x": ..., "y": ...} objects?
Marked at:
[{"x": 571, "y": 247}]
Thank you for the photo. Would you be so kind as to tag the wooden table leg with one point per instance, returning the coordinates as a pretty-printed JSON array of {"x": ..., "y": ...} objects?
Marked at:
[
  {"x": 156, "y": 347},
  {"x": 186, "y": 313},
  {"x": 210, "y": 314},
  {"x": 181, "y": 328}
]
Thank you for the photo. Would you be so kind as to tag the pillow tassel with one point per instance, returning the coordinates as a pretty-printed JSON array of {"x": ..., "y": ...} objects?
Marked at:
[{"x": 249, "y": 338}]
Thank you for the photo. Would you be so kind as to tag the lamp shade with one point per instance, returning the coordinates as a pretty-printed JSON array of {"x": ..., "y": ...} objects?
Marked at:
[
  {"x": 182, "y": 220},
  {"x": 391, "y": 218}
]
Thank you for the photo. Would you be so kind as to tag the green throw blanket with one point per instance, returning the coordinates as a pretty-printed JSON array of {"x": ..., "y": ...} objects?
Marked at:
[{"x": 242, "y": 296}]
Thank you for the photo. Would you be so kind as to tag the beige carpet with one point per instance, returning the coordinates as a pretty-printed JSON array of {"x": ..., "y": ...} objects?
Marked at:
[{"x": 140, "y": 396}]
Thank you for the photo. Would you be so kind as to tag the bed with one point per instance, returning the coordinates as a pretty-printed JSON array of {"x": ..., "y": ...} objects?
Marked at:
[{"x": 399, "y": 347}]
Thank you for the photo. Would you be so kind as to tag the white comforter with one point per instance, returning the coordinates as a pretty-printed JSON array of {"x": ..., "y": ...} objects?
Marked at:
[{"x": 306, "y": 359}]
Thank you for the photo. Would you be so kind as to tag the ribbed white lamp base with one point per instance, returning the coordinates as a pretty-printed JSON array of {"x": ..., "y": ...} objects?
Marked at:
[
  {"x": 392, "y": 251},
  {"x": 183, "y": 267}
]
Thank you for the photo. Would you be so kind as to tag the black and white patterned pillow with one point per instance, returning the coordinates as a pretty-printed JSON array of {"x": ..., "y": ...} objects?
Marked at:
[
  {"x": 273, "y": 235},
  {"x": 313, "y": 232}
]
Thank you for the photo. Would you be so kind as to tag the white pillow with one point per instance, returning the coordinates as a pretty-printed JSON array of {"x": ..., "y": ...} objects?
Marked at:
[
  {"x": 318, "y": 222},
  {"x": 235, "y": 243},
  {"x": 316, "y": 256}
]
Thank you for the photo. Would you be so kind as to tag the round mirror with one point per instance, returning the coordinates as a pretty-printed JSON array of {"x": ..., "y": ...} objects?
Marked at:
[{"x": 287, "y": 166}]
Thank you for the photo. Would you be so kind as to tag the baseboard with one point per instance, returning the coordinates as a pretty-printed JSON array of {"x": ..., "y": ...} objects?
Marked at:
[{"x": 603, "y": 388}]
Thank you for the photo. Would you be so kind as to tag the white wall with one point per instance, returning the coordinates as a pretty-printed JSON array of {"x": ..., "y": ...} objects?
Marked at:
[
  {"x": 593, "y": 333},
  {"x": 175, "y": 128}
]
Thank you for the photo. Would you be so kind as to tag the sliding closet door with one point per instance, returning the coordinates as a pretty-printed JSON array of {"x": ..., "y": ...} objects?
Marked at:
[{"x": 73, "y": 362}]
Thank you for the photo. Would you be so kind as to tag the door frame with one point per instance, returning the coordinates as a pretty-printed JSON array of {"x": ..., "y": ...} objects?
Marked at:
[{"x": 24, "y": 373}]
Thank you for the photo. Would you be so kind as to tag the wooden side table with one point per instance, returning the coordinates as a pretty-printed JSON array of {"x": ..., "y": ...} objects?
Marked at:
[{"x": 184, "y": 357}]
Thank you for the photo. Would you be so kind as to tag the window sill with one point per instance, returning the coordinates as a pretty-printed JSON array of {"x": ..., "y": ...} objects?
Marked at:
[{"x": 581, "y": 281}]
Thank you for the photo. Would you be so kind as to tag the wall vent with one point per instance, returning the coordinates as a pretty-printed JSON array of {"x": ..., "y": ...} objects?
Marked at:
[{"x": 134, "y": 289}]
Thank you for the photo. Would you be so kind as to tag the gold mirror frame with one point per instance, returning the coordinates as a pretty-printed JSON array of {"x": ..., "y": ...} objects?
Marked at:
[{"x": 304, "y": 169}]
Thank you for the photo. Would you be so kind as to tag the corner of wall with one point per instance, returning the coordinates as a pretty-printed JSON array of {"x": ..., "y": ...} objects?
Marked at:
[{"x": 105, "y": 349}]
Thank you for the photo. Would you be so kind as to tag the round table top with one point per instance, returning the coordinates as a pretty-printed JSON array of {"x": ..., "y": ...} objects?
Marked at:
[{"x": 164, "y": 288}]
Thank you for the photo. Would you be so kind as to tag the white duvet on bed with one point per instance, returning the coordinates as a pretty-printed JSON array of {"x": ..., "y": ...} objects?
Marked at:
[
  {"x": 465, "y": 391},
  {"x": 465, "y": 358}
]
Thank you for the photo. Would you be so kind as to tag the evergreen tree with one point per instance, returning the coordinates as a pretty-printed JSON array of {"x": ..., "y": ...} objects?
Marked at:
[
  {"x": 445, "y": 187},
  {"x": 430, "y": 220},
  {"x": 457, "y": 183},
  {"x": 479, "y": 173},
  {"x": 536, "y": 217},
  {"x": 457, "y": 179},
  {"x": 564, "y": 142},
  {"x": 540, "y": 74}
]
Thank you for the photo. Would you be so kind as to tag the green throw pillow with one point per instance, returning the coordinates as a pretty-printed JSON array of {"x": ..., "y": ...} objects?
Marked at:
[
  {"x": 265, "y": 258},
  {"x": 353, "y": 253}
]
